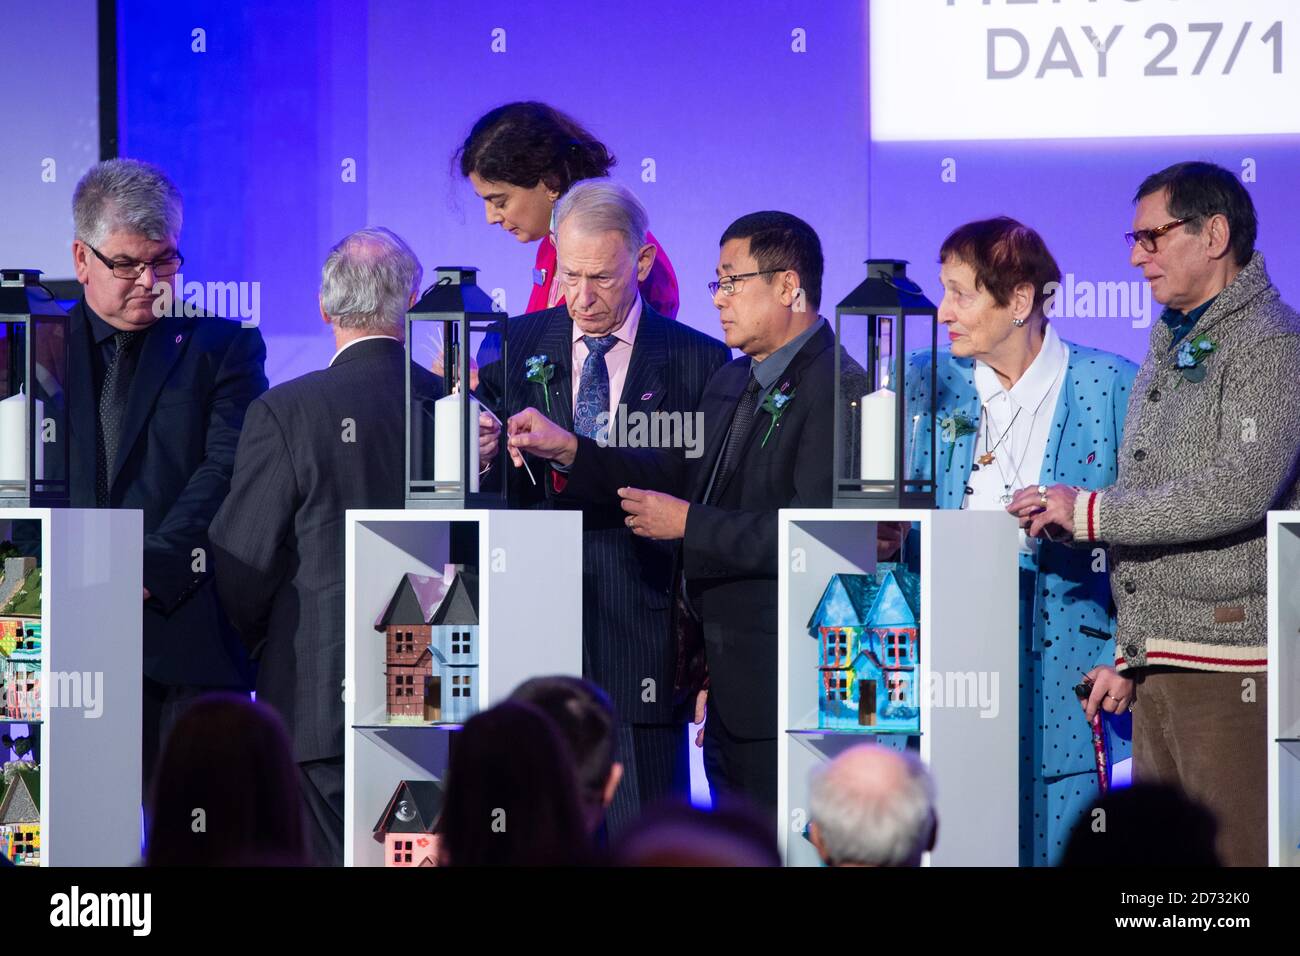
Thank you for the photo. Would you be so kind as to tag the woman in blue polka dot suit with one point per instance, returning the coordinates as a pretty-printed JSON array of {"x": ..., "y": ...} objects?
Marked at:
[{"x": 1018, "y": 406}]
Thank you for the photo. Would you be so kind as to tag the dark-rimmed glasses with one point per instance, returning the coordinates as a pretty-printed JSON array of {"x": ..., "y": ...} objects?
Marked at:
[
  {"x": 133, "y": 268},
  {"x": 1147, "y": 237}
]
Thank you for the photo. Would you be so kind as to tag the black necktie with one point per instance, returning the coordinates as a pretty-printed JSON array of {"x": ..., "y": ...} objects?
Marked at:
[
  {"x": 740, "y": 422},
  {"x": 112, "y": 407}
]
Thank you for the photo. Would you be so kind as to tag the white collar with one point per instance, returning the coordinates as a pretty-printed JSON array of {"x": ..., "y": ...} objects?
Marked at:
[
  {"x": 1036, "y": 384},
  {"x": 364, "y": 338}
]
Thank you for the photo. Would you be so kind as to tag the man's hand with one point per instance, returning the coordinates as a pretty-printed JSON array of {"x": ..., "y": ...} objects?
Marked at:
[
  {"x": 531, "y": 431},
  {"x": 147, "y": 595},
  {"x": 1111, "y": 692},
  {"x": 890, "y": 536},
  {"x": 1046, "y": 513},
  {"x": 652, "y": 514},
  {"x": 701, "y": 710},
  {"x": 489, "y": 435}
]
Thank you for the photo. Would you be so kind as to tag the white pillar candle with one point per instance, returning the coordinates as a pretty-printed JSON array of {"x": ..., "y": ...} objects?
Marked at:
[
  {"x": 13, "y": 442},
  {"x": 447, "y": 441},
  {"x": 879, "y": 416}
]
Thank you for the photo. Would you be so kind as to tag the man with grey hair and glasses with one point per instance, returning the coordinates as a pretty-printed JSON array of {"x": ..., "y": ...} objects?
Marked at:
[
  {"x": 872, "y": 806},
  {"x": 606, "y": 365},
  {"x": 156, "y": 401},
  {"x": 311, "y": 449}
]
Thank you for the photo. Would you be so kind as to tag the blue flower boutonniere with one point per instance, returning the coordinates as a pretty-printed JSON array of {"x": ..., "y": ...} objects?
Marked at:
[
  {"x": 954, "y": 427},
  {"x": 1190, "y": 355},
  {"x": 540, "y": 371},
  {"x": 775, "y": 404}
]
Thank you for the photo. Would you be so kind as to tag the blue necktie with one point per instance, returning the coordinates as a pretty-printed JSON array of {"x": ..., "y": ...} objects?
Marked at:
[{"x": 593, "y": 387}]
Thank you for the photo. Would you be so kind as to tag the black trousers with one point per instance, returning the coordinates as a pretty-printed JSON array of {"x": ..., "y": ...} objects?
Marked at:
[
  {"x": 656, "y": 766},
  {"x": 739, "y": 768},
  {"x": 161, "y": 706},
  {"x": 322, "y": 792}
]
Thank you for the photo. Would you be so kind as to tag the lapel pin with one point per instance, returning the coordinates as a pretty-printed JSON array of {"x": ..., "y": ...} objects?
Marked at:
[
  {"x": 178, "y": 340},
  {"x": 647, "y": 396}
]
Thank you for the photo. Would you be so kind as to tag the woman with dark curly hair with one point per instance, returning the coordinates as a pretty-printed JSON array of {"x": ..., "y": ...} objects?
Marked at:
[{"x": 521, "y": 158}]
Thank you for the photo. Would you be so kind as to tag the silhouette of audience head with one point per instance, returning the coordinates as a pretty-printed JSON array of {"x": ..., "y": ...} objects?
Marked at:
[
  {"x": 585, "y": 718},
  {"x": 678, "y": 834},
  {"x": 872, "y": 806},
  {"x": 226, "y": 791},
  {"x": 512, "y": 796},
  {"x": 1143, "y": 825}
]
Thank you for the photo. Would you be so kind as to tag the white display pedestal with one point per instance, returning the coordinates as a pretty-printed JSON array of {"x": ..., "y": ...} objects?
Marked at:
[
  {"x": 1283, "y": 688},
  {"x": 88, "y": 737},
  {"x": 530, "y": 624},
  {"x": 968, "y": 649}
]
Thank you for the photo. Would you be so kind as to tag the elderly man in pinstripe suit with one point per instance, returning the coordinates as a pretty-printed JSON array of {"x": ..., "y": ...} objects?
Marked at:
[{"x": 603, "y": 364}]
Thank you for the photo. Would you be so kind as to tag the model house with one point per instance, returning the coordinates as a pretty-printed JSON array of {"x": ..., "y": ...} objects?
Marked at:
[
  {"x": 406, "y": 826},
  {"x": 20, "y": 814},
  {"x": 431, "y": 632},
  {"x": 868, "y": 626}
]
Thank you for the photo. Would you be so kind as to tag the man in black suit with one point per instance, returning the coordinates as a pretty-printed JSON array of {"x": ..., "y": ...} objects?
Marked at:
[
  {"x": 605, "y": 364},
  {"x": 157, "y": 402},
  {"x": 311, "y": 449},
  {"x": 767, "y": 445}
]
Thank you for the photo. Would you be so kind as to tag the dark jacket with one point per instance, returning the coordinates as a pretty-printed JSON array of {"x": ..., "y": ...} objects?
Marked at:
[
  {"x": 729, "y": 555},
  {"x": 311, "y": 449},
  {"x": 193, "y": 382},
  {"x": 627, "y": 637}
]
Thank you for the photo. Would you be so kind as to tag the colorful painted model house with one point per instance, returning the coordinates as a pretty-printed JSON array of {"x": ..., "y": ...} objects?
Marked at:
[
  {"x": 868, "y": 627},
  {"x": 20, "y": 814},
  {"x": 20, "y": 639},
  {"x": 432, "y": 635},
  {"x": 406, "y": 826}
]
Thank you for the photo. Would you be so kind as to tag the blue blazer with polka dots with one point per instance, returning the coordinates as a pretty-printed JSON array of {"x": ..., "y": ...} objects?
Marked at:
[{"x": 1071, "y": 585}]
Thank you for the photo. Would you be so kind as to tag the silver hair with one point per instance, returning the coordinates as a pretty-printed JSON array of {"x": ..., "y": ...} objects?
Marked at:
[
  {"x": 598, "y": 205},
  {"x": 869, "y": 824},
  {"x": 126, "y": 195},
  {"x": 367, "y": 280}
]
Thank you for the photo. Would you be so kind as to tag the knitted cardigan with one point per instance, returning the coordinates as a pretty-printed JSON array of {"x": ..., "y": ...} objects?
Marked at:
[{"x": 1200, "y": 465}]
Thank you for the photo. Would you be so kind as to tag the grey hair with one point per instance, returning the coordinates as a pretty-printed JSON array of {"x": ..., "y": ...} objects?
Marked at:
[
  {"x": 869, "y": 824},
  {"x": 126, "y": 195},
  {"x": 367, "y": 280},
  {"x": 598, "y": 205}
]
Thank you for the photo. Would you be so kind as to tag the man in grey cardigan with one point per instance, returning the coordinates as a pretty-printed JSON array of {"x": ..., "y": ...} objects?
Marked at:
[{"x": 1210, "y": 446}]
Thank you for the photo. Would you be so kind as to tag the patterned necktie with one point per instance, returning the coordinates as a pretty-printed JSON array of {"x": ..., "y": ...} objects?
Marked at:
[
  {"x": 112, "y": 407},
  {"x": 593, "y": 386},
  {"x": 736, "y": 436}
]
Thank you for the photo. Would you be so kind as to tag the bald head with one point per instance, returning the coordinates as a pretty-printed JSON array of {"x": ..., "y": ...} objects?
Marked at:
[{"x": 872, "y": 806}]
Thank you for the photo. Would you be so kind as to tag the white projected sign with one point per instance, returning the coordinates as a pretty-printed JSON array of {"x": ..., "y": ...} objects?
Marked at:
[{"x": 1049, "y": 69}]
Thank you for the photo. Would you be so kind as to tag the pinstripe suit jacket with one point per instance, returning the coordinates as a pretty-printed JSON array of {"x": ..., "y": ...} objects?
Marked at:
[
  {"x": 278, "y": 540},
  {"x": 626, "y": 622}
]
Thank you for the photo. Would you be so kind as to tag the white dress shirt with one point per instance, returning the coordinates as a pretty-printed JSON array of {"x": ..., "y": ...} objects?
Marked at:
[{"x": 1021, "y": 417}]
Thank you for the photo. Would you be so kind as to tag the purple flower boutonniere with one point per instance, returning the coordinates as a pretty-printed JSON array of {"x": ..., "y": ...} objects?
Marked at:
[
  {"x": 775, "y": 403},
  {"x": 540, "y": 371},
  {"x": 1190, "y": 355}
]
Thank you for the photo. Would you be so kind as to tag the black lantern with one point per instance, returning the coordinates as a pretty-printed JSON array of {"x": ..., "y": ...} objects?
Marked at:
[
  {"x": 882, "y": 409},
  {"x": 33, "y": 393},
  {"x": 442, "y": 459}
]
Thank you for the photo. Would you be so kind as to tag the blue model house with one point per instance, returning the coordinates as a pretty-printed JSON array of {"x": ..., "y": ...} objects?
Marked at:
[{"x": 868, "y": 626}]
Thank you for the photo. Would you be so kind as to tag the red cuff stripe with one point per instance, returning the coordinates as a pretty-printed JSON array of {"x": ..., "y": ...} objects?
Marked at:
[{"x": 1092, "y": 520}]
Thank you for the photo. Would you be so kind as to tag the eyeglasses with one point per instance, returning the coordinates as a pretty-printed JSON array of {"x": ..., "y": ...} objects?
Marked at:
[
  {"x": 133, "y": 268},
  {"x": 730, "y": 285},
  {"x": 1148, "y": 237}
]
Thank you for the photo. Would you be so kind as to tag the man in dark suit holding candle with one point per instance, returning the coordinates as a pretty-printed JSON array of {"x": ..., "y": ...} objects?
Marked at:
[
  {"x": 603, "y": 364},
  {"x": 767, "y": 445}
]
